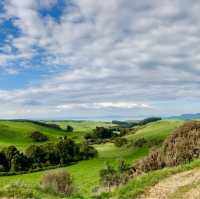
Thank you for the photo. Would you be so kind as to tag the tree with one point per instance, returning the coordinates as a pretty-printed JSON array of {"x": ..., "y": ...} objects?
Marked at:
[
  {"x": 20, "y": 163},
  {"x": 87, "y": 151},
  {"x": 3, "y": 162},
  {"x": 10, "y": 152},
  {"x": 52, "y": 155},
  {"x": 38, "y": 136},
  {"x": 36, "y": 154},
  {"x": 69, "y": 128},
  {"x": 67, "y": 150}
]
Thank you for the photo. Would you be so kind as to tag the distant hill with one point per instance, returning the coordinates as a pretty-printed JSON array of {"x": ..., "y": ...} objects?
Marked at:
[{"x": 186, "y": 116}]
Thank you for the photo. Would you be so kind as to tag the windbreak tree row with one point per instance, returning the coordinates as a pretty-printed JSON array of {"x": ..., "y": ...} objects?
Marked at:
[{"x": 65, "y": 151}]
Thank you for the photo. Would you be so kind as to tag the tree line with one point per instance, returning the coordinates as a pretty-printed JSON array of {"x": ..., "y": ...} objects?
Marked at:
[
  {"x": 65, "y": 151},
  {"x": 103, "y": 134}
]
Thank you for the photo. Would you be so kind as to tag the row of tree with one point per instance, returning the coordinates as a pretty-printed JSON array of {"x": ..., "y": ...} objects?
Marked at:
[
  {"x": 101, "y": 134},
  {"x": 131, "y": 124},
  {"x": 64, "y": 151}
]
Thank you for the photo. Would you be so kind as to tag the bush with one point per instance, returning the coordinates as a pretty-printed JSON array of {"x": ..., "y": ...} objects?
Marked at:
[
  {"x": 109, "y": 176},
  {"x": 140, "y": 142},
  {"x": 38, "y": 136},
  {"x": 60, "y": 183},
  {"x": 152, "y": 162},
  {"x": 119, "y": 142},
  {"x": 181, "y": 147}
]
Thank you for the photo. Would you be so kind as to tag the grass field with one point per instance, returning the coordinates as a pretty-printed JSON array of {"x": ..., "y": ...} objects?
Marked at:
[
  {"x": 156, "y": 130},
  {"x": 85, "y": 173},
  {"x": 18, "y": 132},
  {"x": 81, "y": 127}
]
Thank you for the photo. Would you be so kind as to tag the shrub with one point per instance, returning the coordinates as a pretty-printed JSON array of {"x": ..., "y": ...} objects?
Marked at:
[
  {"x": 59, "y": 182},
  {"x": 183, "y": 145},
  {"x": 179, "y": 148},
  {"x": 152, "y": 162},
  {"x": 123, "y": 166},
  {"x": 38, "y": 136},
  {"x": 140, "y": 142},
  {"x": 109, "y": 176},
  {"x": 119, "y": 142},
  {"x": 154, "y": 142}
]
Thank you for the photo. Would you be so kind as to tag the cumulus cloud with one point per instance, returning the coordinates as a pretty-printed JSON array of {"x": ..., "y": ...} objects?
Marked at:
[{"x": 117, "y": 54}]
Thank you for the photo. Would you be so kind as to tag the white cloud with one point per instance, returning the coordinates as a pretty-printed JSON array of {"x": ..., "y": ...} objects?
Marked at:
[{"x": 112, "y": 54}]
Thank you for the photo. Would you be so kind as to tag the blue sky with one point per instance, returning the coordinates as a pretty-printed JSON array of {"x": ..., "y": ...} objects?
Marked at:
[{"x": 96, "y": 59}]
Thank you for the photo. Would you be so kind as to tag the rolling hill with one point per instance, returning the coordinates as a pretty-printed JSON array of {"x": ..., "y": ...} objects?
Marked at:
[
  {"x": 195, "y": 116},
  {"x": 85, "y": 173}
]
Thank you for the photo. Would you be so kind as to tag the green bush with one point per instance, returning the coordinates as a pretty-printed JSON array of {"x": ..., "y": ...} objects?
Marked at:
[
  {"x": 38, "y": 136},
  {"x": 119, "y": 141},
  {"x": 140, "y": 142}
]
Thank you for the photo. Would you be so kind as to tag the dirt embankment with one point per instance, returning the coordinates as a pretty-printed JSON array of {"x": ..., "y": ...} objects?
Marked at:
[{"x": 184, "y": 185}]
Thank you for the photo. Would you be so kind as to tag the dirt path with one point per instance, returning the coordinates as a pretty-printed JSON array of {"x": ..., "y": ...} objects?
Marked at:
[{"x": 180, "y": 186}]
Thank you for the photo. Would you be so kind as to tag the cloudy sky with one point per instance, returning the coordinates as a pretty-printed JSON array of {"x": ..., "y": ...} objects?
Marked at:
[{"x": 99, "y": 59}]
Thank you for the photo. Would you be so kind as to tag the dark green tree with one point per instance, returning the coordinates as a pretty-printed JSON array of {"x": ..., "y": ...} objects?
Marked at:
[{"x": 69, "y": 128}]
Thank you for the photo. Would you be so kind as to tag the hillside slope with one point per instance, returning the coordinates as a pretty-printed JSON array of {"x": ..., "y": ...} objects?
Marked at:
[
  {"x": 18, "y": 133},
  {"x": 155, "y": 130},
  {"x": 86, "y": 173}
]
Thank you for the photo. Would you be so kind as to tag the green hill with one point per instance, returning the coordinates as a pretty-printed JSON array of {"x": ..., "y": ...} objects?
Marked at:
[
  {"x": 155, "y": 131},
  {"x": 18, "y": 133},
  {"x": 85, "y": 173}
]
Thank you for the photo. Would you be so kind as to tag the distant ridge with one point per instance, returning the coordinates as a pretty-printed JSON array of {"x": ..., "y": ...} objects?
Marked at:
[{"x": 186, "y": 116}]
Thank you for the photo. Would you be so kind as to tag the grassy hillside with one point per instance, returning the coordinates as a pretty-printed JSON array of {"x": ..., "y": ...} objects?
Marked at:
[
  {"x": 85, "y": 173},
  {"x": 156, "y": 130},
  {"x": 80, "y": 127},
  {"x": 18, "y": 133},
  {"x": 142, "y": 183}
]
